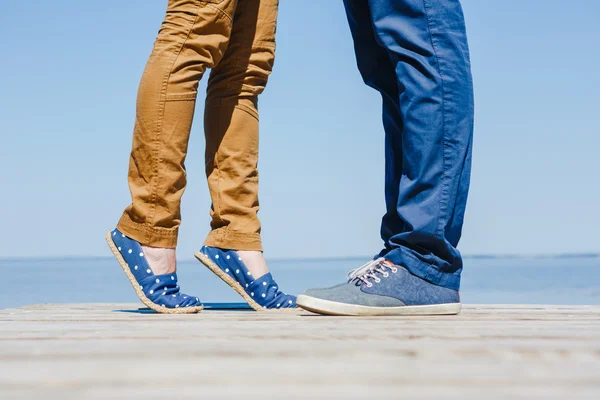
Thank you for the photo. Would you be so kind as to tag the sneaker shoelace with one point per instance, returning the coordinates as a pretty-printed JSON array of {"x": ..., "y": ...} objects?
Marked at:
[{"x": 370, "y": 270}]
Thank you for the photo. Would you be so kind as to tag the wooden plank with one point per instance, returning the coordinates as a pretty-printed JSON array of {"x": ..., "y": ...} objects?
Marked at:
[{"x": 115, "y": 351}]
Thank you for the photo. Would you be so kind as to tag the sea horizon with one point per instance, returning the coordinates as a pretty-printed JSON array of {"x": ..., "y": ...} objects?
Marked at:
[
  {"x": 326, "y": 258},
  {"x": 559, "y": 279}
]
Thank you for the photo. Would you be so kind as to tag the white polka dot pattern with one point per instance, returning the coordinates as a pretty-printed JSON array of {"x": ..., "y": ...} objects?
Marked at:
[
  {"x": 155, "y": 287},
  {"x": 263, "y": 290}
]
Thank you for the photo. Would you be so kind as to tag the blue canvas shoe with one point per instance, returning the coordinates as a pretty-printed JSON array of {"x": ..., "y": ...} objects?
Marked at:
[
  {"x": 381, "y": 288},
  {"x": 261, "y": 294},
  {"x": 158, "y": 292}
]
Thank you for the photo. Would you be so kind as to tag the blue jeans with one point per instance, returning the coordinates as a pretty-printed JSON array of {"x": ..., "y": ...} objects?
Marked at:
[{"x": 415, "y": 53}]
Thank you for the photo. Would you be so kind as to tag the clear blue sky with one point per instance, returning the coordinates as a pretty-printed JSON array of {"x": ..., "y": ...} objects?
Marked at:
[{"x": 70, "y": 71}]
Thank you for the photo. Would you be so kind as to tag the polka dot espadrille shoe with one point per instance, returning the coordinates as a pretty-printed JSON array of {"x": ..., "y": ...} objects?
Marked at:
[
  {"x": 159, "y": 292},
  {"x": 262, "y": 294}
]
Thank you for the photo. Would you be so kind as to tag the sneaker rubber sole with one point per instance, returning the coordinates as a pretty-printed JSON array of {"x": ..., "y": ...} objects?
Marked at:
[{"x": 327, "y": 307}]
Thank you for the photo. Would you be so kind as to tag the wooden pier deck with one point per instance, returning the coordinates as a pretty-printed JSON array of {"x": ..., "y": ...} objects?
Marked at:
[{"x": 94, "y": 351}]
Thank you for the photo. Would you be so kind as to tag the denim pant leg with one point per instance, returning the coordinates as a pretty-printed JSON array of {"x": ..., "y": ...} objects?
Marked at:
[
  {"x": 426, "y": 43},
  {"x": 378, "y": 72}
]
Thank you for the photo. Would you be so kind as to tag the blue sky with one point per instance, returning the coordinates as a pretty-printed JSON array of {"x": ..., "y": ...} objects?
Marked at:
[{"x": 70, "y": 73}]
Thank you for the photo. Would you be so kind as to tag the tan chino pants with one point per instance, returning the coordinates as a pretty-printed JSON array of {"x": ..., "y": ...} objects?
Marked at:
[{"x": 236, "y": 40}]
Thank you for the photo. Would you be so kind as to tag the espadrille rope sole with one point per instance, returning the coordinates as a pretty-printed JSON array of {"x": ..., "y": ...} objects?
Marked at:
[
  {"x": 208, "y": 263},
  {"x": 136, "y": 287}
]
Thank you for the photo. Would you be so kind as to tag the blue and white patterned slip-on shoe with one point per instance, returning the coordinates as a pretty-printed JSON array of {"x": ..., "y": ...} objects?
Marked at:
[
  {"x": 381, "y": 288},
  {"x": 158, "y": 292},
  {"x": 261, "y": 294}
]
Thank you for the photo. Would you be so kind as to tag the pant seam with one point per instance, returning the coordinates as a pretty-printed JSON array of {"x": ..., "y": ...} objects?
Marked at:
[
  {"x": 226, "y": 238},
  {"x": 247, "y": 110},
  {"x": 164, "y": 232},
  {"x": 181, "y": 96},
  {"x": 164, "y": 90},
  {"x": 218, "y": 206},
  {"x": 146, "y": 235},
  {"x": 220, "y": 11},
  {"x": 444, "y": 192}
]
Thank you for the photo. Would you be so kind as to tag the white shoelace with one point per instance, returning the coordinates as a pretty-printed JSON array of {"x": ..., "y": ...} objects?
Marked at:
[{"x": 370, "y": 270}]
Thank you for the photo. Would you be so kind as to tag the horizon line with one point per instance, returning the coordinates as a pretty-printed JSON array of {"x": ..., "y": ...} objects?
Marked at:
[{"x": 329, "y": 258}]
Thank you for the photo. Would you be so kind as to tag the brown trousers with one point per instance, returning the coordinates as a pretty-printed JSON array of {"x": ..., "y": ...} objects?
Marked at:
[{"x": 236, "y": 39}]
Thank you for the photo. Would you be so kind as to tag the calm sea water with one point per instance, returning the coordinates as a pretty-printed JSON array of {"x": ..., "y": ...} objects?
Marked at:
[{"x": 564, "y": 280}]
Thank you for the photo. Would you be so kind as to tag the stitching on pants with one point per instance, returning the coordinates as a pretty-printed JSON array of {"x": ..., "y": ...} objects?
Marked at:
[
  {"x": 218, "y": 205},
  {"x": 163, "y": 101},
  {"x": 181, "y": 97},
  {"x": 247, "y": 110},
  {"x": 220, "y": 11},
  {"x": 444, "y": 194}
]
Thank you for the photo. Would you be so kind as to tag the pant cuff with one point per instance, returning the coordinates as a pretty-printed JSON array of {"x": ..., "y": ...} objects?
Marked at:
[
  {"x": 429, "y": 272},
  {"x": 224, "y": 238},
  {"x": 148, "y": 235}
]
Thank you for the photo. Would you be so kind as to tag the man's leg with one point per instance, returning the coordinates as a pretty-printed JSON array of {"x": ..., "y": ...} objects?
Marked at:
[
  {"x": 231, "y": 128},
  {"x": 378, "y": 72},
  {"x": 192, "y": 38},
  {"x": 428, "y": 117},
  {"x": 381, "y": 70},
  {"x": 427, "y": 43}
]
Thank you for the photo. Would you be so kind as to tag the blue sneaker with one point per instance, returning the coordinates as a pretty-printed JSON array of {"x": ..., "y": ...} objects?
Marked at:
[
  {"x": 158, "y": 292},
  {"x": 381, "y": 288},
  {"x": 261, "y": 294}
]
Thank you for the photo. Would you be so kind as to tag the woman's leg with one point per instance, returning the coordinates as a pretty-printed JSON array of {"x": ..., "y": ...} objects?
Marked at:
[
  {"x": 192, "y": 38},
  {"x": 231, "y": 128},
  {"x": 233, "y": 249}
]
